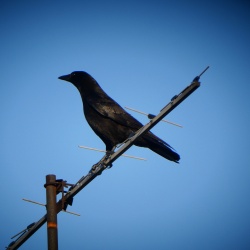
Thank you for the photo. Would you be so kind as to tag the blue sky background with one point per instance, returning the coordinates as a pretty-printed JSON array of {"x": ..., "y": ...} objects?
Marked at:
[{"x": 142, "y": 53}]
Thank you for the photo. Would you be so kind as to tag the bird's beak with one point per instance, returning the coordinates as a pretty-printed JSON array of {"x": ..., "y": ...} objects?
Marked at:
[{"x": 65, "y": 77}]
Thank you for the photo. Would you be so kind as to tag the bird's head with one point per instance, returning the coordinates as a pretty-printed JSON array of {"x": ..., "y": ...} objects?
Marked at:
[
  {"x": 84, "y": 82},
  {"x": 77, "y": 78}
]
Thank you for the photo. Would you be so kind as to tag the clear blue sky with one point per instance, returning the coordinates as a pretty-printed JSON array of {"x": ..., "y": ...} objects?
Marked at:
[{"x": 142, "y": 53}]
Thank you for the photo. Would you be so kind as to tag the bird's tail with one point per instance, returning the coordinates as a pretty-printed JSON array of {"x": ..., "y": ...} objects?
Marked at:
[{"x": 160, "y": 147}]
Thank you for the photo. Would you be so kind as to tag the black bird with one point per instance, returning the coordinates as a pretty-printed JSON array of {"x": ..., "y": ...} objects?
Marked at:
[{"x": 110, "y": 121}]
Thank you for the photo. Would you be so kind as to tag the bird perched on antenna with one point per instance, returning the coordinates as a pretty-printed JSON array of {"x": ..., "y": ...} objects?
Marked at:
[{"x": 110, "y": 121}]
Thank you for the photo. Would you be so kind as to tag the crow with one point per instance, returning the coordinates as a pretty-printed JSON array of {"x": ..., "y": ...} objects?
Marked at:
[{"x": 110, "y": 121}]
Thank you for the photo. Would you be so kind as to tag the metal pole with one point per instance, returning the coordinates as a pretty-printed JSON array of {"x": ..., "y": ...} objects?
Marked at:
[{"x": 51, "y": 212}]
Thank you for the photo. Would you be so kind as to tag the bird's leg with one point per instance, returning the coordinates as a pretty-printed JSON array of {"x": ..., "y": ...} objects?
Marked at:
[{"x": 108, "y": 154}]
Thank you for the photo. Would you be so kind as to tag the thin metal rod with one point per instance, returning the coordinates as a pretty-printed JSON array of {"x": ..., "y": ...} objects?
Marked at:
[
  {"x": 101, "y": 165},
  {"x": 51, "y": 212},
  {"x": 41, "y": 204},
  {"x": 70, "y": 212},
  {"x": 135, "y": 110},
  {"x": 163, "y": 120},
  {"x": 124, "y": 155},
  {"x": 35, "y": 202},
  {"x": 203, "y": 71}
]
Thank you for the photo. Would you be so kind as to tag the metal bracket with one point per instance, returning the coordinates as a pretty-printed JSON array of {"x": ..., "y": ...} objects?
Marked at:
[{"x": 60, "y": 184}]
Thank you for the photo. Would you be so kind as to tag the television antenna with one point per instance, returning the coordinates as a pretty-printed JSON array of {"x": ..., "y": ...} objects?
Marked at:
[{"x": 53, "y": 186}]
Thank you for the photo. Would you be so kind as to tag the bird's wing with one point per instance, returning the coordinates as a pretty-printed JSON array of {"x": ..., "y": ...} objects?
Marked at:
[{"x": 109, "y": 108}]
